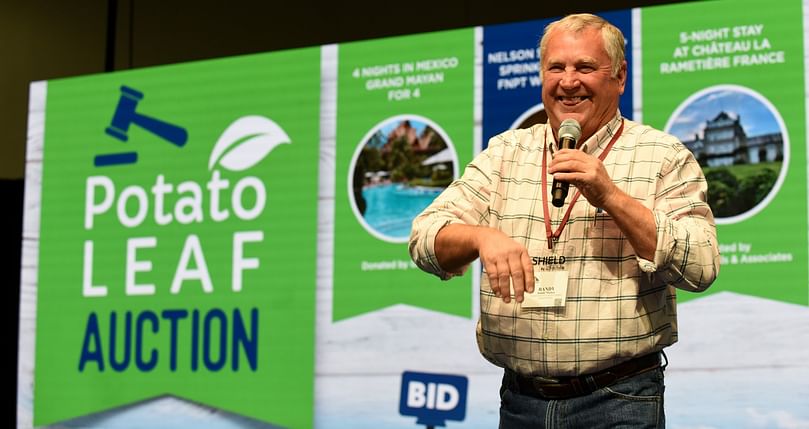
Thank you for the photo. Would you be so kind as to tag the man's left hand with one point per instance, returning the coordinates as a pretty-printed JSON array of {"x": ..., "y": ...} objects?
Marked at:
[{"x": 584, "y": 171}]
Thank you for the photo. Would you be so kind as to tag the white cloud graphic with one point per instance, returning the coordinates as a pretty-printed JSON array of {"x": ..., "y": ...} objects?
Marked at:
[{"x": 776, "y": 419}]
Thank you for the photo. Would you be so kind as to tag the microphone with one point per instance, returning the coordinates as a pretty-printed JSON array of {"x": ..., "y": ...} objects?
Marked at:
[{"x": 569, "y": 133}]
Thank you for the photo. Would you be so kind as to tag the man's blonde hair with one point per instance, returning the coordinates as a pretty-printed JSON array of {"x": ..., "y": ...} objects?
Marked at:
[{"x": 613, "y": 38}]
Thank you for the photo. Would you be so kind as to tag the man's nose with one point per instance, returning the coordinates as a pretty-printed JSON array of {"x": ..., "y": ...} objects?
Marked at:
[{"x": 570, "y": 79}]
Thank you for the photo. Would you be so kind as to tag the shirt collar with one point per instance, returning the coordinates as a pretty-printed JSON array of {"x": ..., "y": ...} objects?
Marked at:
[{"x": 597, "y": 141}]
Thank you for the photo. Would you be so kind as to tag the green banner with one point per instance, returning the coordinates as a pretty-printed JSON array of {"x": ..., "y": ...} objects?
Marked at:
[
  {"x": 730, "y": 85},
  {"x": 405, "y": 131},
  {"x": 178, "y": 231}
]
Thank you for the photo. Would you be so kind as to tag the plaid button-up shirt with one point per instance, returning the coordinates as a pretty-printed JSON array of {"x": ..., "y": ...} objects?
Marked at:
[{"x": 619, "y": 306}]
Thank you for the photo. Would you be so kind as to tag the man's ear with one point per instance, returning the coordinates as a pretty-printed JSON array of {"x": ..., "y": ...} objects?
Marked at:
[{"x": 622, "y": 77}]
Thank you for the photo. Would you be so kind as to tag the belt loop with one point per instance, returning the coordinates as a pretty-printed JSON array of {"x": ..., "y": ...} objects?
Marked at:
[
  {"x": 577, "y": 387},
  {"x": 584, "y": 385},
  {"x": 665, "y": 359},
  {"x": 592, "y": 385}
]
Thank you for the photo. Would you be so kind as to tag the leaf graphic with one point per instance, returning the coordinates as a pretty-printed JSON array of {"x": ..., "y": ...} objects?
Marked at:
[{"x": 246, "y": 142}]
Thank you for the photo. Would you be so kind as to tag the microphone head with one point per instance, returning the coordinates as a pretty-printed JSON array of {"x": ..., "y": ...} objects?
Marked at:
[{"x": 571, "y": 129}]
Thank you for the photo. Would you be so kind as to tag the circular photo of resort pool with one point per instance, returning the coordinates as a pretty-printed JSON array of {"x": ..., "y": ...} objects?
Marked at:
[
  {"x": 534, "y": 115},
  {"x": 397, "y": 170},
  {"x": 741, "y": 142}
]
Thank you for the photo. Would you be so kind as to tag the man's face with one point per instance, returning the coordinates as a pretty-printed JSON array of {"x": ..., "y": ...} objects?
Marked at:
[{"x": 577, "y": 80}]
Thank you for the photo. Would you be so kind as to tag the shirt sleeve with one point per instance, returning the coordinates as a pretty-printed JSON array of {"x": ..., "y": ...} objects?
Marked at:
[
  {"x": 687, "y": 253},
  {"x": 465, "y": 201}
]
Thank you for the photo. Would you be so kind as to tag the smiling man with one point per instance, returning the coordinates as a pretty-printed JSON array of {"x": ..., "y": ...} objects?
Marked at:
[{"x": 578, "y": 301}]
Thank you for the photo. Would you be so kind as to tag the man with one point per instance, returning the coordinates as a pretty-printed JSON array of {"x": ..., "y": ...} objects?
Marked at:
[{"x": 577, "y": 302}]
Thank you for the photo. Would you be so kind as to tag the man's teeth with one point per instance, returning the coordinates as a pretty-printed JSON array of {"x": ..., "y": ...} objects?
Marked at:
[{"x": 573, "y": 99}]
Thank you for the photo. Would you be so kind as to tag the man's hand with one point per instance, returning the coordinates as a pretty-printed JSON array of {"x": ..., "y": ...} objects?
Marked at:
[
  {"x": 586, "y": 172},
  {"x": 504, "y": 260}
]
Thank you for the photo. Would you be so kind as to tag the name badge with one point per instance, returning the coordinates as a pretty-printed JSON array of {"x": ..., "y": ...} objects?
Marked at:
[
  {"x": 550, "y": 290},
  {"x": 550, "y": 281}
]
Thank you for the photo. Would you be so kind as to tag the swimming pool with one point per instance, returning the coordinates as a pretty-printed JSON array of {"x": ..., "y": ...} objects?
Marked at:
[{"x": 391, "y": 207}]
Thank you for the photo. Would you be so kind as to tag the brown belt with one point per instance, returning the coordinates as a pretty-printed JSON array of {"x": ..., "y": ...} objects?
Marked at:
[{"x": 569, "y": 387}]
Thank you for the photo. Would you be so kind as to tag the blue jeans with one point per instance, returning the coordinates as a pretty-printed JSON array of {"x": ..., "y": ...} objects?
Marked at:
[{"x": 634, "y": 402}]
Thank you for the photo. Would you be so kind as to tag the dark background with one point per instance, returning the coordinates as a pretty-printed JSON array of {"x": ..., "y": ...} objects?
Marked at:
[{"x": 51, "y": 39}]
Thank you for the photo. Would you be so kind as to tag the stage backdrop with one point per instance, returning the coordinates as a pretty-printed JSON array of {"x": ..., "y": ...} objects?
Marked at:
[{"x": 222, "y": 243}]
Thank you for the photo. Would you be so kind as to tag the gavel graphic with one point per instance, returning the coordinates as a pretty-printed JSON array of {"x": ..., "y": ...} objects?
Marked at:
[{"x": 125, "y": 115}]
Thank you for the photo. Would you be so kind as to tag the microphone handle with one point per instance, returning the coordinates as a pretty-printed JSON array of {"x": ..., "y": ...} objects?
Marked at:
[{"x": 559, "y": 189}]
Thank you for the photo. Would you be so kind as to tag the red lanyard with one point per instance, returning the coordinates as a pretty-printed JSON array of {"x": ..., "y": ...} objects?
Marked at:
[{"x": 554, "y": 236}]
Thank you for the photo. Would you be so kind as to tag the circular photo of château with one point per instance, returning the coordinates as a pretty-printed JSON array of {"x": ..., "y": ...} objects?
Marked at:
[
  {"x": 740, "y": 140},
  {"x": 397, "y": 170}
]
